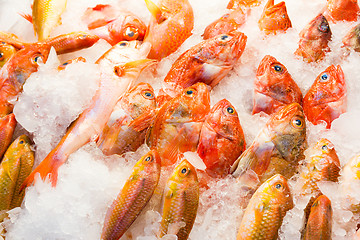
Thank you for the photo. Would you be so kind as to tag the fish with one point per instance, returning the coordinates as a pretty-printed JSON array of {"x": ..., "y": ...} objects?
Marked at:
[
  {"x": 176, "y": 127},
  {"x": 319, "y": 225},
  {"x": 7, "y": 128},
  {"x": 207, "y": 62},
  {"x": 120, "y": 67},
  {"x": 341, "y": 10},
  {"x": 267, "y": 208},
  {"x": 46, "y": 15},
  {"x": 133, "y": 197},
  {"x": 180, "y": 201},
  {"x": 274, "y": 87},
  {"x": 314, "y": 39},
  {"x": 15, "y": 72},
  {"x": 351, "y": 182},
  {"x": 135, "y": 109},
  {"x": 352, "y": 39},
  {"x": 274, "y": 18},
  {"x": 70, "y": 61},
  {"x": 6, "y": 52},
  {"x": 170, "y": 25},
  {"x": 235, "y": 4},
  {"x": 229, "y": 22},
  {"x": 277, "y": 148},
  {"x": 114, "y": 24},
  {"x": 221, "y": 139},
  {"x": 326, "y": 99},
  {"x": 15, "y": 167},
  {"x": 12, "y": 39}
]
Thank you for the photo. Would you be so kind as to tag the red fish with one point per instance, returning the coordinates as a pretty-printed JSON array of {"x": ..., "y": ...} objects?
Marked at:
[
  {"x": 326, "y": 98},
  {"x": 7, "y": 127},
  {"x": 274, "y": 18},
  {"x": 75, "y": 60},
  {"x": 314, "y": 40},
  {"x": 234, "y": 4},
  {"x": 177, "y": 125},
  {"x": 15, "y": 72},
  {"x": 170, "y": 26},
  {"x": 221, "y": 139},
  {"x": 274, "y": 87},
  {"x": 122, "y": 133},
  {"x": 352, "y": 39},
  {"x": 6, "y": 52},
  {"x": 342, "y": 10},
  {"x": 207, "y": 62},
  {"x": 114, "y": 24},
  {"x": 226, "y": 24}
]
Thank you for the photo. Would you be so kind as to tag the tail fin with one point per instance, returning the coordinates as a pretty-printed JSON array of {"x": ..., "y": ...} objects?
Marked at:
[{"x": 47, "y": 168}]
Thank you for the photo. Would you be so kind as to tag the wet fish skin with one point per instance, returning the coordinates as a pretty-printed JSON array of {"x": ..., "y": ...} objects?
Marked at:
[
  {"x": 274, "y": 87},
  {"x": 326, "y": 99},
  {"x": 235, "y": 4},
  {"x": 314, "y": 39},
  {"x": 177, "y": 125},
  {"x": 265, "y": 212},
  {"x": 274, "y": 18},
  {"x": 133, "y": 197},
  {"x": 341, "y": 10},
  {"x": 352, "y": 39},
  {"x": 6, "y": 52},
  {"x": 7, "y": 127},
  {"x": 221, "y": 140},
  {"x": 171, "y": 24},
  {"x": 180, "y": 201}
]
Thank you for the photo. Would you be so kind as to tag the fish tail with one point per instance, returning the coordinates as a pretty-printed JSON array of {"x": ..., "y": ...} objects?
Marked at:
[{"x": 48, "y": 168}]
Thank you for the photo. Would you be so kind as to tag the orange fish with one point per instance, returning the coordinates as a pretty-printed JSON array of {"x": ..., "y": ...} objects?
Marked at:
[
  {"x": 177, "y": 125},
  {"x": 171, "y": 24},
  {"x": 133, "y": 197},
  {"x": 235, "y": 4},
  {"x": 277, "y": 148},
  {"x": 221, "y": 139},
  {"x": 326, "y": 99},
  {"x": 7, "y": 127},
  {"x": 314, "y": 40},
  {"x": 352, "y": 39},
  {"x": 226, "y": 24},
  {"x": 319, "y": 224},
  {"x": 15, "y": 72},
  {"x": 342, "y": 10},
  {"x": 6, "y": 52},
  {"x": 117, "y": 74},
  {"x": 180, "y": 202},
  {"x": 75, "y": 60},
  {"x": 113, "y": 24},
  {"x": 265, "y": 212},
  {"x": 207, "y": 62},
  {"x": 274, "y": 18},
  {"x": 136, "y": 107},
  {"x": 274, "y": 87}
]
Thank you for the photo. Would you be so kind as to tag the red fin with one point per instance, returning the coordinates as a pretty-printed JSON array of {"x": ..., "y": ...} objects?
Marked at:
[
  {"x": 47, "y": 168},
  {"x": 27, "y": 17},
  {"x": 143, "y": 121},
  {"x": 171, "y": 153}
]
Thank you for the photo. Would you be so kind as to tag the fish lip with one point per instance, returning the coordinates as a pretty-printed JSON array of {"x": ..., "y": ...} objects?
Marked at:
[
  {"x": 238, "y": 43},
  {"x": 271, "y": 9}
]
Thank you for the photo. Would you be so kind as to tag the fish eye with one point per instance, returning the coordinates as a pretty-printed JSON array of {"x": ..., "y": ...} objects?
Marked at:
[
  {"x": 190, "y": 92},
  {"x": 184, "y": 171},
  {"x": 278, "y": 186},
  {"x": 123, "y": 44},
  {"x": 324, "y": 147},
  {"x": 131, "y": 33},
  {"x": 37, "y": 59},
  {"x": 148, "y": 158},
  {"x": 224, "y": 37},
  {"x": 21, "y": 142},
  {"x": 1, "y": 55},
  {"x": 297, "y": 123},
  {"x": 230, "y": 110},
  {"x": 278, "y": 68},
  {"x": 324, "y": 27},
  {"x": 324, "y": 77},
  {"x": 148, "y": 94}
]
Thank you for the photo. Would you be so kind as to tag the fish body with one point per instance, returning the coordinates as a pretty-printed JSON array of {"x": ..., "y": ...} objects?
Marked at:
[
  {"x": 235, "y": 4},
  {"x": 229, "y": 22},
  {"x": 15, "y": 167},
  {"x": 6, "y": 52},
  {"x": 180, "y": 201},
  {"x": 120, "y": 135},
  {"x": 342, "y": 10},
  {"x": 326, "y": 99},
  {"x": 314, "y": 39},
  {"x": 352, "y": 39},
  {"x": 133, "y": 197},
  {"x": 265, "y": 212},
  {"x": 7, "y": 127},
  {"x": 207, "y": 62},
  {"x": 274, "y": 18},
  {"x": 319, "y": 225},
  {"x": 277, "y": 148},
  {"x": 274, "y": 87},
  {"x": 46, "y": 16},
  {"x": 118, "y": 72},
  {"x": 171, "y": 24},
  {"x": 15, "y": 72},
  {"x": 221, "y": 139},
  {"x": 177, "y": 125},
  {"x": 114, "y": 24}
]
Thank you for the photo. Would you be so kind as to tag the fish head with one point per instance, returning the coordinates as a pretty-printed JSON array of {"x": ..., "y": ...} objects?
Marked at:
[
  {"x": 274, "y": 17},
  {"x": 352, "y": 39},
  {"x": 20, "y": 146},
  {"x": 340, "y": 10},
  {"x": 139, "y": 99},
  {"x": 86, "y": 38},
  {"x": 183, "y": 176},
  {"x": 329, "y": 86},
  {"x": 318, "y": 28},
  {"x": 127, "y": 28},
  {"x": 319, "y": 223},
  {"x": 6, "y": 52},
  {"x": 287, "y": 129},
  {"x": 147, "y": 164},
  {"x": 270, "y": 72}
]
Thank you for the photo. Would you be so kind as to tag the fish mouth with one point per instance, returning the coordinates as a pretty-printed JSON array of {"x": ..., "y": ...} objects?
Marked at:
[
  {"x": 264, "y": 64},
  {"x": 288, "y": 111},
  {"x": 273, "y": 9},
  {"x": 238, "y": 43}
]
